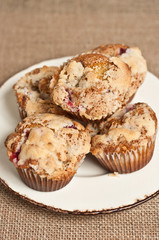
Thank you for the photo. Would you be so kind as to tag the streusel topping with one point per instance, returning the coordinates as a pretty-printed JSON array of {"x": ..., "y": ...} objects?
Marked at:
[
  {"x": 92, "y": 85},
  {"x": 52, "y": 145},
  {"x": 135, "y": 126},
  {"x": 131, "y": 56},
  {"x": 135, "y": 60},
  {"x": 32, "y": 92}
]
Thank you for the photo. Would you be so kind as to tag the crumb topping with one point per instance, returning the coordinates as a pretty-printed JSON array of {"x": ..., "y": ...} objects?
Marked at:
[
  {"x": 135, "y": 126},
  {"x": 92, "y": 85},
  {"x": 53, "y": 146},
  {"x": 135, "y": 60},
  {"x": 131, "y": 56},
  {"x": 111, "y": 50},
  {"x": 32, "y": 91}
]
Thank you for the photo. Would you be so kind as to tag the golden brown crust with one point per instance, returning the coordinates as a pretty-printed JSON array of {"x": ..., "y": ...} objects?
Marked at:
[
  {"x": 131, "y": 56},
  {"x": 92, "y": 60},
  {"x": 92, "y": 86},
  {"x": 52, "y": 146}
]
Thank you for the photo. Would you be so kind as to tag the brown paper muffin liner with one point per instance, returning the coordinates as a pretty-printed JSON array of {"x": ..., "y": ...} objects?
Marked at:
[
  {"x": 129, "y": 161},
  {"x": 38, "y": 183}
]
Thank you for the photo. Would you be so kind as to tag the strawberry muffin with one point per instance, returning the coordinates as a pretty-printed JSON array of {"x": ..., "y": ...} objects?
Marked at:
[
  {"x": 32, "y": 92},
  {"x": 47, "y": 150},
  {"x": 133, "y": 57},
  {"x": 91, "y": 86},
  {"x": 125, "y": 142}
]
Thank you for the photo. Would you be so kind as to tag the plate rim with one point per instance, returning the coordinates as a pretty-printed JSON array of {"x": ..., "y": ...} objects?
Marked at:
[
  {"x": 77, "y": 212},
  {"x": 59, "y": 210}
]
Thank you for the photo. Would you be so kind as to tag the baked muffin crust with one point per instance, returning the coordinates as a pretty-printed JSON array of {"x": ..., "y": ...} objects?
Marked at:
[
  {"x": 32, "y": 92},
  {"x": 52, "y": 146},
  {"x": 126, "y": 130},
  {"x": 131, "y": 56},
  {"x": 92, "y": 86}
]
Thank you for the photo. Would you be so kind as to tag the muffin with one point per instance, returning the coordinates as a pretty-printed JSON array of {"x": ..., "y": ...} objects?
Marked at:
[
  {"x": 133, "y": 57},
  {"x": 125, "y": 142},
  {"x": 91, "y": 86},
  {"x": 47, "y": 149},
  {"x": 32, "y": 92}
]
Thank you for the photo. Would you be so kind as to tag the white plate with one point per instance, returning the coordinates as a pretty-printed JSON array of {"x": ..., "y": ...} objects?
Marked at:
[{"x": 92, "y": 190}]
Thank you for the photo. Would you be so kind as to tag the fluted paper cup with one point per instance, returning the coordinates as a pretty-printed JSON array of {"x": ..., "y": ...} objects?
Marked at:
[
  {"x": 129, "y": 161},
  {"x": 39, "y": 183}
]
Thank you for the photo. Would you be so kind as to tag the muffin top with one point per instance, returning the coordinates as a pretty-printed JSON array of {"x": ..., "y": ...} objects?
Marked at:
[
  {"x": 130, "y": 55},
  {"x": 130, "y": 128},
  {"x": 32, "y": 91},
  {"x": 91, "y": 85},
  {"x": 50, "y": 144}
]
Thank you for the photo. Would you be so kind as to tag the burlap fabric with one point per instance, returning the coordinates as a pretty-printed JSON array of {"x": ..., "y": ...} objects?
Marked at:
[{"x": 32, "y": 31}]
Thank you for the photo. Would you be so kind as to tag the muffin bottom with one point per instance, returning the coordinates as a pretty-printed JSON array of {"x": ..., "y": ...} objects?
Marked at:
[
  {"x": 38, "y": 183},
  {"x": 129, "y": 161}
]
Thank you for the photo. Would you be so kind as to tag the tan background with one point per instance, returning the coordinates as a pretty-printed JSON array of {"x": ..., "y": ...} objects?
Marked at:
[{"x": 32, "y": 31}]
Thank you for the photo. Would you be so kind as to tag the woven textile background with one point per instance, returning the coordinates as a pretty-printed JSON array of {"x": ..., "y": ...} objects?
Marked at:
[{"x": 32, "y": 31}]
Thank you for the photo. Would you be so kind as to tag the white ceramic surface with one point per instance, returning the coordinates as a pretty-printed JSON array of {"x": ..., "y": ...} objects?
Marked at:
[{"x": 92, "y": 190}]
